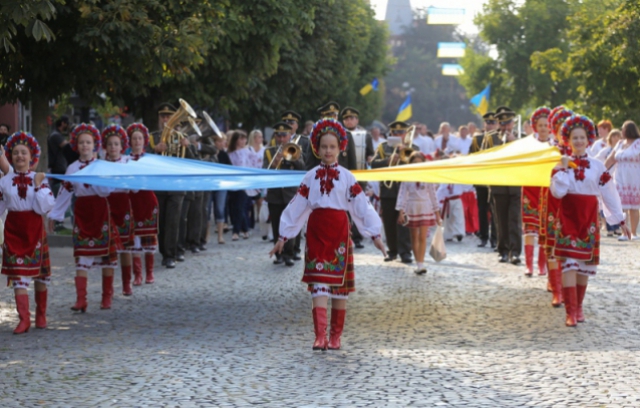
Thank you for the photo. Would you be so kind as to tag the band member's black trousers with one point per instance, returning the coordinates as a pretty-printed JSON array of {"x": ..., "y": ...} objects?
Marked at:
[
  {"x": 484, "y": 211},
  {"x": 398, "y": 237},
  {"x": 509, "y": 223},
  {"x": 275, "y": 213},
  {"x": 170, "y": 206}
]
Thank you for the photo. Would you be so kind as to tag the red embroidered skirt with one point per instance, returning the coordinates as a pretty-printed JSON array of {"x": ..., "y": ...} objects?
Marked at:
[
  {"x": 548, "y": 209},
  {"x": 25, "y": 250},
  {"x": 145, "y": 213},
  {"x": 122, "y": 216},
  {"x": 94, "y": 233},
  {"x": 329, "y": 256},
  {"x": 531, "y": 210},
  {"x": 579, "y": 234}
]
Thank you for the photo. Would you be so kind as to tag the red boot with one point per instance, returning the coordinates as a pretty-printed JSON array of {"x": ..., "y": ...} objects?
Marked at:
[
  {"x": 570, "y": 305},
  {"x": 137, "y": 271},
  {"x": 581, "y": 290},
  {"x": 41, "y": 309},
  {"x": 81, "y": 294},
  {"x": 22, "y": 304},
  {"x": 148, "y": 263},
  {"x": 337, "y": 324},
  {"x": 556, "y": 284},
  {"x": 528, "y": 256},
  {"x": 107, "y": 292},
  {"x": 320, "y": 327},
  {"x": 542, "y": 261},
  {"x": 126, "y": 280}
]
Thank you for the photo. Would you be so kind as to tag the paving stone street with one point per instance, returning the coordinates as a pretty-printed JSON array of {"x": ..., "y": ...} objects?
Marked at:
[{"x": 229, "y": 328}]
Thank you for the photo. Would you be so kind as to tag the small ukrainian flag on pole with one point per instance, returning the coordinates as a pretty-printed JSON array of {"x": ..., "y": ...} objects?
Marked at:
[
  {"x": 373, "y": 86},
  {"x": 481, "y": 100},
  {"x": 404, "y": 113}
]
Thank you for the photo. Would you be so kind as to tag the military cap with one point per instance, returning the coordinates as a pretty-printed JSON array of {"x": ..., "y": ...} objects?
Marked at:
[
  {"x": 291, "y": 115},
  {"x": 501, "y": 109},
  {"x": 505, "y": 116},
  {"x": 398, "y": 125},
  {"x": 281, "y": 127},
  {"x": 330, "y": 107},
  {"x": 166, "y": 109},
  {"x": 489, "y": 116},
  {"x": 349, "y": 111}
]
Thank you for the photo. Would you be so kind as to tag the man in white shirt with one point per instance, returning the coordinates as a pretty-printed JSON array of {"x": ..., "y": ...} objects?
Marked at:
[
  {"x": 465, "y": 139},
  {"x": 604, "y": 127},
  {"x": 446, "y": 142},
  {"x": 426, "y": 144}
]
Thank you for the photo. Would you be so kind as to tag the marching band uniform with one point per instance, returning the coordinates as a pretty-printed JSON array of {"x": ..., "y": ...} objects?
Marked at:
[
  {"x": 398, "y": 236},
  {"x": 578, "y": 238},
  {"x": 25, "y": 252},
  {"x": 293, "y": 118},
  {"x": 121, "y": 210},
  {"x": 279, "y": 198},
  {"x": 95, "y": 239},
  {"x": 145, "y": 220},
  {"x": 326, "y": 194}
]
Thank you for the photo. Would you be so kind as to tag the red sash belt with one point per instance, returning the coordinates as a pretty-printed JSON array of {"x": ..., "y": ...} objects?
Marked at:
[
  {"x": 328, "y": 247},
  {"x": 578, "y": 236},
  {"x": 446, "y": 206},
  {"x": 24, "y": 245}
]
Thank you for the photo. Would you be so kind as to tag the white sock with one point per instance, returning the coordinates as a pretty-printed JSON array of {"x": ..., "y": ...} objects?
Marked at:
[{"x": 420, "y": 265}]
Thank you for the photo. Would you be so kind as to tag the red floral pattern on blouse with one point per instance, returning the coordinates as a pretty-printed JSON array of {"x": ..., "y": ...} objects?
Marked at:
[
  {"x": 303, "y": 190},
  {"x": 326, "y": 175},
  {"x": 22, "y": 181},
  {"x": 582, "y": 163},
  {"x": 605, "y": 178},
  {"x": 355, "y": 190}
]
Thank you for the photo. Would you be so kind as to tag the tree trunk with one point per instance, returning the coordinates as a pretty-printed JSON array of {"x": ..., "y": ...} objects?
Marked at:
[{"x": 41, "y": 129}]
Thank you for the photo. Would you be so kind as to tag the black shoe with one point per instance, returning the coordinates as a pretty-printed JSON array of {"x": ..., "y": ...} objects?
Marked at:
[
  {"x": 297, "y": 257},
  {"x": 495, "y": 249},
  {"x": 459, "y": 238},
  {"x": 390, "y": 258},
  {"x": 164, "y": 262},
  {"x": 503, "y": 259},
  {"x": 359, "y": 245},
  {"x": 264, "y": 237},
  {"x": 406, "y": 259},
  {"x": 278, "y": 261},
  {"x": 494, "y": 244},
  {"x": 170, "y": 263},
  {"x": 515, "y": 260},
  {"x": 482, "y": 244},
  {"x": 202, "y": 248},
  {"x": 195, "y": 250},
  {"x": 420, "y": 271},
  {"x": 288, "y": 262},
  {"x": 180, "y": 258}
]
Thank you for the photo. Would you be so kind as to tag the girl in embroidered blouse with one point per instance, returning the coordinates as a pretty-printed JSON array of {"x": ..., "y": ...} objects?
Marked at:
[
  {"x": 144, "y": 204},
  {"x": 578, "y": 188},
  {"x": 327, "y": 192},
  {"x": 25, "y": 253},
  {"x": 95, "y": 240},
  {"x": 418, "y": 207}
]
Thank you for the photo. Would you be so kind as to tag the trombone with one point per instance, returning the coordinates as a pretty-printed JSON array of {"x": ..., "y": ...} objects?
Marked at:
[
  {"x": 172, "y": 137},
  {"x": 404, "y": 153},
  {"x": 290, "y": 152}
]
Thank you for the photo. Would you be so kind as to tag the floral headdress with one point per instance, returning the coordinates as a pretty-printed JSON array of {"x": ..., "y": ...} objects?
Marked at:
[
  {"x": 25, "y": 139},
  {"x": 139, "y": 127},
  {"x": 578, "y": 121},
  {"x": 541, "y": 112},
  {"x": 325, "y": 126},
  {"x": 559, "y": 117},
  {"x": 85, "y": 128},
  {"x": 116, "y": 130}
]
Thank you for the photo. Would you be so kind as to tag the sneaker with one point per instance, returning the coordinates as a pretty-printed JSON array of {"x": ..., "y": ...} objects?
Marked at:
[
  {"x": 635, "y": 238},
  {"x": 623, "y": 238}
]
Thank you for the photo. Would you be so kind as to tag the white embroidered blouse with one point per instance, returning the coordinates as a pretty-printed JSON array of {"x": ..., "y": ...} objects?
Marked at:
[
  {"x": 330, "y": 187},
  {"x": 424, "y": 192},
  {"x": 18, "y": 193}
]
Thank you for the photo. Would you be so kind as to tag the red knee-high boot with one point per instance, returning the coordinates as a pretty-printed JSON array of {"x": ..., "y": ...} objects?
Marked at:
[
  {"x": 570, "y": 305},
  {"x": 148, "y": 263},
  {"x": 41, "y": 309},
  {"x": 107, "y": 292},
  {"x": 137, "y": 271},
  {"x": 22, "y": 305},
  {"x": 528, "y": 256},
  {"x": 320, "y": 328},
  {"x": 556, "y": 285},
  {"x": 81, "y": 294},
  {"x": 542, "y": 261},
  {"x": 581, "y": 291},
  {"x": 126, "y": 280},
  {"x": 337, "y": 324}
]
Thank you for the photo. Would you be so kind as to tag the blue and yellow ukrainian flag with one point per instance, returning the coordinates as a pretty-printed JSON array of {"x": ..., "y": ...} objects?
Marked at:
[
  {"x": 404, "y": 113},
  {"x": 481, "y": 100},
  {"x": 373, "y": 86}
]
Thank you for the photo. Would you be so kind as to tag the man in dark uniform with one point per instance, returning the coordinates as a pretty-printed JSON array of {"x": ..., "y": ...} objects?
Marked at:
[
  {"x": 398, "y": 236},
  {"x": 482, "y": 141},
  {"x": 350, "y": 119},
  {"x": 279, "y": 198},
  {"x": 507, "y": 200},
  {"x": 346, "y": 159}
]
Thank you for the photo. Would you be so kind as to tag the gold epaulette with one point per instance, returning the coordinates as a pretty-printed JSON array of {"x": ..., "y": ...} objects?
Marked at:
[{"x": 381, "y": 151}]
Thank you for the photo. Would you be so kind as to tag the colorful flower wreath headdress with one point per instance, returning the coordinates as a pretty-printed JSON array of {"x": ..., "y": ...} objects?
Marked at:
[
  {"x": 541, "y": 112},
  {"x": 578, "y": 121},
  {"x": 139, "y": 127},
  {"x": 116, "y": 130},
  {"x": 558, "y": 118},
  {"x": 328, "y": 126},
  {"x": 82, "y": 129},
  {"x": 25, "y": 139}
]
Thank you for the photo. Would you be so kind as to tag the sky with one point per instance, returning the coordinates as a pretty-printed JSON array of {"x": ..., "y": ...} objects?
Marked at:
[{"x": 472, "y": 7}]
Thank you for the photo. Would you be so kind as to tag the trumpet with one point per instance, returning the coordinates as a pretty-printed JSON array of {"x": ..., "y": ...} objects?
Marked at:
[
  {"x": 172, "y": 137},
  {"x": 290, "y": 152},
  {"x": 404, "y": 153}
]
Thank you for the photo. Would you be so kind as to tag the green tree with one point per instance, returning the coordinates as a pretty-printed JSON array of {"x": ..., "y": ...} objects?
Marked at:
[{"x": 28, "y": 14}]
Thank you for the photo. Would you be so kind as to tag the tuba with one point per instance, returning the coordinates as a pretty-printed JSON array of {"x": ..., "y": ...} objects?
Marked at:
[
  {"x": 172, "y": 137},
  {"x": 403, "y": 153},
  {"x": 212, "y": 125}
]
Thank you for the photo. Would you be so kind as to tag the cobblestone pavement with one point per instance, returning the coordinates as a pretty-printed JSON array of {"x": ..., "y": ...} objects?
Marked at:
[{"x": 229, "y": 328}]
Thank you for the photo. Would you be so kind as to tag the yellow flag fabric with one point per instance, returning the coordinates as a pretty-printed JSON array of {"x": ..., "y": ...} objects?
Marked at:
[
  {"x": 366, "y": 89},
  {"x": 483, "y": 107},
  {"x": 524, "y": 162}
]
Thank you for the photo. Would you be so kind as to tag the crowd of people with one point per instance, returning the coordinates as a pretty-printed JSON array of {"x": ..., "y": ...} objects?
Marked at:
[{"x": 595, "y": 184}]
